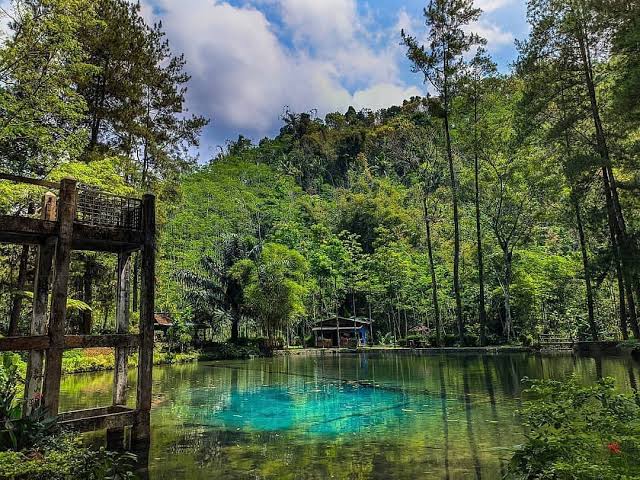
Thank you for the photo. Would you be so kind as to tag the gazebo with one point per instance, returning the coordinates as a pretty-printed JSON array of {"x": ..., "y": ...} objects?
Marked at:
[
  {"x": 162, "y": 322},
  {"x": 342, "y": 332}
]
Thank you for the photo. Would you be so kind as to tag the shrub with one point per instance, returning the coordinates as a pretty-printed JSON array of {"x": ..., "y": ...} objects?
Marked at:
[
  {"x": 527, "y": 340},
  {"x": 29, "y": 451},
  {"x": 172, "y": 358},
  {"x": 413, "y": 341},
  {"x": 471, "y": 340},
  {"x": 16, "y": 432},
  {"x": 231, "y": 351},
  {"x": 575, "y": 431},
  {"x": 386, "y": 339},
  {"x": 449, "y": 340},
  {"x": 87, "y": 360},
  {"x": 62, "y": 457},
  {"x": 631, "y": 346}
]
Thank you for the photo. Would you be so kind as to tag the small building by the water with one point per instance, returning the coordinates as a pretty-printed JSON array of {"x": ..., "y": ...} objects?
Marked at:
[
  {"x": 342, "y": 332},
  {"x": 162, "y": 322}
]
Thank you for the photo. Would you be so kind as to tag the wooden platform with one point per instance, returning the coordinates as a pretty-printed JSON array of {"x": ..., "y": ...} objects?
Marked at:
[
  {"x": 112, "y": 417},
  {"x": 34, "y": 231},
  {"x": 84, "y": 218}
]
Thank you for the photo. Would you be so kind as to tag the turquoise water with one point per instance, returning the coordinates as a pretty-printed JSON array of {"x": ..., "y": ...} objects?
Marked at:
[
  {"x": 329, "y": 409},
  {"x": 368, "y": 416}
]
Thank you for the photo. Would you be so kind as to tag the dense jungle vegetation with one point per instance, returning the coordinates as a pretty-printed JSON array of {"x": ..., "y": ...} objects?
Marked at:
[{"x": 500, "y": 207}]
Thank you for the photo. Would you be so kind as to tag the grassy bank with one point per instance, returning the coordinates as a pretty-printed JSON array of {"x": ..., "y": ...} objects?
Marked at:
[{"x": 99, "y": 359}]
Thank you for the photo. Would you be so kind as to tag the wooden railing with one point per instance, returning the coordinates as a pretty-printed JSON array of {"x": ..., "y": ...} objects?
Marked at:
[
  {"x": 94, "y": 207},
  {"x": 103, "y": 209}
]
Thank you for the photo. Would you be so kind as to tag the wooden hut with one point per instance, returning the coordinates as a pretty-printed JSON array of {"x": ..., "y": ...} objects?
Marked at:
[
  {"x": 342, "y": 332},
  {"x": 162, "y": 322}
]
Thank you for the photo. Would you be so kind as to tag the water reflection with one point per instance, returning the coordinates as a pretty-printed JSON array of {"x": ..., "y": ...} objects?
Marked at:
[{"x": 364, "y": 416}]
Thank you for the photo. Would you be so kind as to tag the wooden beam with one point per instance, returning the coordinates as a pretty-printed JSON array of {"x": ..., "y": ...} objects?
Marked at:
[
  {"x": 41, "y": 342},
  {"x": 91, "y": 412},
  {"x": 122, "y": 326},
  {"x": 31, "y": 181},
  {"x": 147, "y": 307},
  {"x": 98, "y": 418},
  {"x": 57, "y": 320},
  {"x": 27, "y": 230},
  {"x": 33, "y": 231},
  {"x": 105, "y": 239},
  {"x": 18, "y": 344}
]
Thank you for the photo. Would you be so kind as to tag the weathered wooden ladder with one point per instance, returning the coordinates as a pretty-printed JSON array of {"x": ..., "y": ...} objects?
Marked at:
[{"x": 82, "y": 218}]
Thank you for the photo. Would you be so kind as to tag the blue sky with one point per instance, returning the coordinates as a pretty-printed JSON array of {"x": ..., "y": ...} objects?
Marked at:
[{"x": 250, "y": 59}]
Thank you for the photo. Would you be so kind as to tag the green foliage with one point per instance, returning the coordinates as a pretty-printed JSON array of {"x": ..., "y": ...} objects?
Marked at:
[
  {"x": 234, "y": 351},
  {"x": 273, "y": 286},
  {"x": 40, "y": 59},
  {"x": 17, "y": 432},
  {"x": 364, "y": 198},
  {"x": 576, "y": 431},
  {"x": 73, "y": 304},
  {"x": 413, "y": 341},
  {"x": 632, "y": 346},
  {"x": 61, "y": 457}
]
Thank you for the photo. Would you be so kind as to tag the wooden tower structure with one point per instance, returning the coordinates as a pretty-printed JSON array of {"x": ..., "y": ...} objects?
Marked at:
[{"x": 83, "y": 218}]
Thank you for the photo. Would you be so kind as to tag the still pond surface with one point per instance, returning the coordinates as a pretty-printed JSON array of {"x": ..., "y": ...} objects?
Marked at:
[{"x": 366, "y": 416}]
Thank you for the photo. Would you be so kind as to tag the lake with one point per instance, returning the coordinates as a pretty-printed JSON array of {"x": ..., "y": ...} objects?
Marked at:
[{"x": 353, "y": 416}]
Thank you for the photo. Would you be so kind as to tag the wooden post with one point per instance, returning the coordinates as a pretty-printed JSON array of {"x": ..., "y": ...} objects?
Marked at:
[
  {"x": 147, "y": 306},
  {"x": 115, "y": 439},
  {"x": 122, "y": 326},
  {"x": 35, "y": 365},
  {"x": 115, "y": 436},
  {"x": 53, "y": 367}
]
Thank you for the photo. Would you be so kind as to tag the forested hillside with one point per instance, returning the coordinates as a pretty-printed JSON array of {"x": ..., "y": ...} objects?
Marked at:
[{"x": 494, "y": 209}]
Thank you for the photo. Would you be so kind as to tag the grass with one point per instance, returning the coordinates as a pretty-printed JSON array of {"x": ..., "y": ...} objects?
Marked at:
[{"x": 99, "y": 359}]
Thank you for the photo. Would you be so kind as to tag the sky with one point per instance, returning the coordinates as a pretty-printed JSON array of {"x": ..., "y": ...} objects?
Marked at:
[{"x": 251, "y": 59}]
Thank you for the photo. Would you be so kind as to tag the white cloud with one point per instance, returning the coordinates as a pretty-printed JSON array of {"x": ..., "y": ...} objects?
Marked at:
[
  {"x": 382, "y": 95},
  {"x": 243, "y": 75},
  {"x": 492, "y": 5},
  {"x": 495, "y": 36},
  {"x": 325, "y": 23},
  {"x": 332, "y": 30},
  {"x": 407, "y": 23}
]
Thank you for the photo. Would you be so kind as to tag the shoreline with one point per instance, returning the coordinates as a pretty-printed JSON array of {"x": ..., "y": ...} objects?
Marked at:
[
  {"x": 403, "y": 350},
  {"x": 589, "y": 350}
]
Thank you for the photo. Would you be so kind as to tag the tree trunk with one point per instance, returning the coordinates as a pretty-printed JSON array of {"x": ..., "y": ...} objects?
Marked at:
[
  {"x": 456, "y": 226},
  {"x": 631, "y": 306},
  {"x": 617, "y": 228},
  {"x": 235, "y": 323},
  {"x": 586, "y": 268},
  {"x": 16, "y": 307},
  {"x": 476, "y": 164},
  {"x": 434, "y": 283},
  {"x": 98, "y": 105},
  {"x": 508, "y": 322}
]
